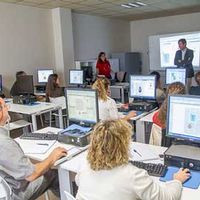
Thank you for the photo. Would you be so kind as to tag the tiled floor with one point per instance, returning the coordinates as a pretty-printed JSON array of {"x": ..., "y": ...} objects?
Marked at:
[{"x": 51, "y": 197}]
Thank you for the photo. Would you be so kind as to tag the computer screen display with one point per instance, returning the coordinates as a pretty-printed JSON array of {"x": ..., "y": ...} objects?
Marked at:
[
  {"x": 76, "y": 77},
  {"x": 175, "y": 75},
  {"x": 25, "y": 84},
  {"x": 43, "y": 75},
  {"x": 82, "y": 105},
  {"x": 1, "y": 84},
  {"x": 183, "y": 117},
  {"x": 143, "y": 87}
]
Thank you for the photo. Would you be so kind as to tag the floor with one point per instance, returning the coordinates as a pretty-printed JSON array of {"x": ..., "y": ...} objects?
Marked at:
[{"x": 51, "y": 197}]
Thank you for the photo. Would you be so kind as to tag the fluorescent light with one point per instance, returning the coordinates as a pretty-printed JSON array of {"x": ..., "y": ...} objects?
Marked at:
[
  {"x": 126, "y": 6},
  {"x": 133, "y": 5},
  {"x": 141, "y": 3}
]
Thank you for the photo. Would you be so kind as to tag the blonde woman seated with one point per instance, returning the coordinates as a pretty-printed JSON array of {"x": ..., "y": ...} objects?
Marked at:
[
  {"x": 159, "y": 118},
  {"x": 107, "y": 106},
  {"x": 109, "y": 175}
]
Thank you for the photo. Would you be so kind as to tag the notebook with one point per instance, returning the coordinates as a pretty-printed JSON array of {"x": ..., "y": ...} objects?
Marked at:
[{"x": 193, "y": 182}]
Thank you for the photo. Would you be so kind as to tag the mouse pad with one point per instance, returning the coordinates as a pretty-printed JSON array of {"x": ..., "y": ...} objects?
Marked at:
[{"x": 193, "y": 182}]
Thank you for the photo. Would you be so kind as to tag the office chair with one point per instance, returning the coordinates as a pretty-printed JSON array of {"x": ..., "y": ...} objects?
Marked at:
[
  {"x": 5, "y": 190},
  {"x": 69, "y": 196}
]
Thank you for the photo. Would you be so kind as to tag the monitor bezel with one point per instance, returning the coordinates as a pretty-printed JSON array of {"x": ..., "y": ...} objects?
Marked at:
[
  {"x": 32, "y": 84},
  {"x": 169, "y": 68},
  {"x": 83, "y": 122},
  {"x": 142, "y": 98},
  {"x": 43, "y": 70},
  {"x": 70, "y": 76},
  {"x": 178, "y": 136}
]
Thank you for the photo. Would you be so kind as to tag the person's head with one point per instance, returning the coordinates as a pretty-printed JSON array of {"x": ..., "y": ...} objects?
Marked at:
[
  {"x": 110, "y": 143},
  {"x": 102, "y": 87},
  {"x": 102, "y": 56},
  {"x": 4, "y": 116},
  {"x": 53, "y": 82},
  {"x": 173, "y": 88},
  {"x": 197, "y": 78},
  {"x": 20, "y": 73},
  {"x": 157, "y": 74},
  {"x": 182, "y": 44}
]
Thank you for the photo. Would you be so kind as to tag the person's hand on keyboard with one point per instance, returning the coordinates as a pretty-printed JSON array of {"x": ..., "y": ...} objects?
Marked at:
[
  {"x": 182, "y": 175},
  {"x": 56, "y": 154}
]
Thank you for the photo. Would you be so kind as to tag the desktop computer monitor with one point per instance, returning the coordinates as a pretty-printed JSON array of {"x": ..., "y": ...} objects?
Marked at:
[
  {"x": 87, "y": 73},
  {"x": 25, "y": 84},
  {"x": 1, "y": 84},
  {"x": 82, "y": 106},
  {"x": 143, "y": 87},
  {"x": 75, "y": 77},
  {"x": 183, "y": 117},
  {"x": 43, "y": 75},
  {"x": 175, "y": 75}
]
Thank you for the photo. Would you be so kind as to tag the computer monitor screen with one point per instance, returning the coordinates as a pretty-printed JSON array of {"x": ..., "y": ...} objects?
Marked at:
[
  {"x": 175, "y": 75},
  {"x": 1, "y": 84},
  {"x": 143, "y": 87},
  {"x": 183, "y": 117},
  {"x": 25, "y": 84},
  {"x": 82, "y": 105},
  {"x": 76, "y": 77},
  {"x": 43, "y": 75}
]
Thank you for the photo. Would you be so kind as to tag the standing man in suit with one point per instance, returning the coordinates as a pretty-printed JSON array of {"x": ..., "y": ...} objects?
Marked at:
[{"x": 183, "y": 58}]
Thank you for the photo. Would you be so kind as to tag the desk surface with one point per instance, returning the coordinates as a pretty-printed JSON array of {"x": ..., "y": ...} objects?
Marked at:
[
  {"x": 149, "y": 117},
  {"x": 31, "y": 109}
]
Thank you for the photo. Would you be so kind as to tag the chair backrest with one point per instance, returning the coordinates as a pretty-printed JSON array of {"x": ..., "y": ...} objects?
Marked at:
[
  {"x": 5, "y": 190},
  {"x": 59, "y": 101},
  {"x": 69, "y": 196},
  {"x": 156, "y": 135}
]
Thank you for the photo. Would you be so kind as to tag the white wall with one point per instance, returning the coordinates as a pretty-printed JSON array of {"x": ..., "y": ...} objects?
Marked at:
[
  {"x": 141, "y": 29},
  {"x": 93, "y": 34},
  {"x": 26, "y": 40}
]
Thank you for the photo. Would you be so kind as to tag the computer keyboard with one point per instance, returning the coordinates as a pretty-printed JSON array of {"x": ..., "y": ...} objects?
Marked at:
[
  {"x": 39, "y": 136},
  {"x": 152, "y": 168}
]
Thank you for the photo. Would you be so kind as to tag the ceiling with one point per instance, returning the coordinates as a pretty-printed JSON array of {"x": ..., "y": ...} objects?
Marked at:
[{"x": 113, "y": 8}]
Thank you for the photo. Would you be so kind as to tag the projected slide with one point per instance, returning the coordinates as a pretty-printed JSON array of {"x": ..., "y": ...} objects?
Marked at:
[{"x": 169, "y": 46}]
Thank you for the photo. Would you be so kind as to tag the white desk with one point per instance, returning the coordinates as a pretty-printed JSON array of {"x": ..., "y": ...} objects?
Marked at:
[
  {"x": 78, "y": 162},
  {"x": 140, "y": 126},
  {"x": 34, "y": 110}
]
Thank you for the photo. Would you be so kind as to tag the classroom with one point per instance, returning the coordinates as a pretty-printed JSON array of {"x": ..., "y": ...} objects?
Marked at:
[{"x": 99, "y": 99}]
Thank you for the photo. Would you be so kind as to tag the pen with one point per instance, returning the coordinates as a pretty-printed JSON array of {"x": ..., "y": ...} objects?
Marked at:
[
  {"x": 137, "y": 152},
  {"x": 42, "y": 144}
]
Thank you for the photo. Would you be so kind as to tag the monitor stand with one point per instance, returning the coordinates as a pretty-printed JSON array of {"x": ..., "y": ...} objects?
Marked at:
[{"x": 143, "y": 105}]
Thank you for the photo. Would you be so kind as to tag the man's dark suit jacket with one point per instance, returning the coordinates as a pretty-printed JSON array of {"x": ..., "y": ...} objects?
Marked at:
[{"x": 186, "y": 63}]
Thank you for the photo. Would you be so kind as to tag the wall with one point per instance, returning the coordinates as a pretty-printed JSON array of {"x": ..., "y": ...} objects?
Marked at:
[
  {"x": 26, "y": 39},
  {"x": 141, "y": 29},
  {"x": 93, "y": 34}
]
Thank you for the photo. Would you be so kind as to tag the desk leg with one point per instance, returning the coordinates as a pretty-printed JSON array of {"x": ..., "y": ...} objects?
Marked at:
[
  {"x": 60, "y": 118},
  {"x": 64, "y": 182},
  {"x": 34, "y": 122},
  {"x": 122, "y": 94},
  {"x": 140, "y": 131}
]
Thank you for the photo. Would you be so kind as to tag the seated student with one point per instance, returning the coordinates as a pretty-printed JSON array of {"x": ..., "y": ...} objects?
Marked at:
[
  {"x": 109, "y": 175},
  {"x": 53, "y": 88},
  {"x": 27, "y": 180},
  {"x": 159, "y": 118},
  {"x": 107, "y": 106},
  {"x": 195, "y": 90},
  {"x": 14, "y": 91},
  {"x": 160, "y": 94}
]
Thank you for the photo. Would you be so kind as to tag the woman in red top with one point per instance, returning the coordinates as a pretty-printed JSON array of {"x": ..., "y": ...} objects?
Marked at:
[{"x": 103, "y": 66}]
